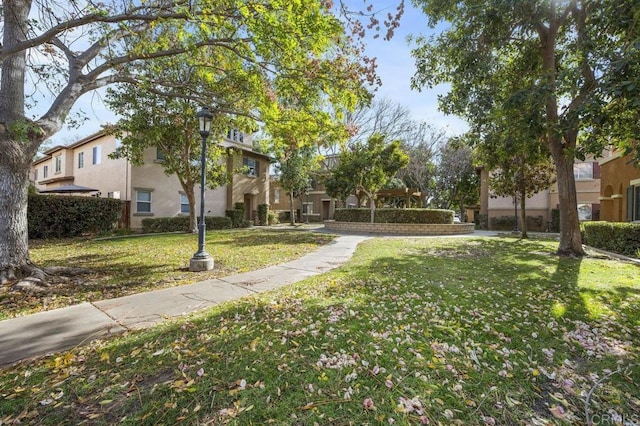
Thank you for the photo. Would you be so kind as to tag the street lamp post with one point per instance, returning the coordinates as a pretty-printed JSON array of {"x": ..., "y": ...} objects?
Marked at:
[{"x": 201, "y": 260}]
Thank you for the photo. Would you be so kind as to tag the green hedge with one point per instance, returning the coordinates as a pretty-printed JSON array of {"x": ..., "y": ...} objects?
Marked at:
[
  {"x": 59, "y": 216},
  {"x": 506, "y": 223},
  {"x": 263, "y": 214},
  {"x": 385, "y": 215},
  {"x": 618, "y": 237},
  {"x": 555, "y": 220},
  {"x": 181, "y": 224}
]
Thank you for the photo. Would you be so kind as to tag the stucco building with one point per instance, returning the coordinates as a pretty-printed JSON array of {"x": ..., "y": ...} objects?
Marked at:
[
  {"x": 620, "y": 188},
  {"x": 495, "y": 210},
  {"x": 146, "y": 189}
]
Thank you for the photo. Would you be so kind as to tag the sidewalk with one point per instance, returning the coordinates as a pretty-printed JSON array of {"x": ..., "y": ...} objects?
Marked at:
[{"x": 62, "y": 329}]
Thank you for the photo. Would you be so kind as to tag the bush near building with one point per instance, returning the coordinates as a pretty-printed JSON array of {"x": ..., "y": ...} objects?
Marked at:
[
  {"x": 181, "y": 224},
  {"x": 61, "y": 216},
  {"x": 395, "y": 215},
  {"x": 617, "y": 237}
]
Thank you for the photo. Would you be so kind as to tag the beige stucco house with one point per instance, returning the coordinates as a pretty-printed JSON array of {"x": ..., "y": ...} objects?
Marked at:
[
  {"x": 540, "y": 205},
  {"x": 146, "y": 189}
]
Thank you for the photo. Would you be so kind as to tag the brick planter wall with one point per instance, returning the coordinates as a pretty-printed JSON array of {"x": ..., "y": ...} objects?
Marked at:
[{"x": 400, "y": 228}]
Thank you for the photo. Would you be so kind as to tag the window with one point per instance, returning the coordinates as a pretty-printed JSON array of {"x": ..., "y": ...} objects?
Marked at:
[
  {"x": 584, "y": 211},
  {"x": 35, "y": 175},
  {"x": 80, "y": 160},
  {"x": 307, "y": 208},
  {"x": 143, "y": 201},
  {"x": 184, "y": 203},
  {"x": 276, "y": 195},
  {"x": 582, "y": 171},
  {"x": 160, "y": 155},
  {"x": 97, "y": 154},
  {"x": 58, "y": 163},
  {"x": 633, "y": 203},
  {"x": 235, "y": 135},
  {"x": 252, "y": 166},
  {"x": 636, "y": 203},
  {"x": 45, "y": 172}
]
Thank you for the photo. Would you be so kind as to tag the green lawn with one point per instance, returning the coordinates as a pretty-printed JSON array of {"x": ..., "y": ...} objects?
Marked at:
[
  {"x": 411, "y": 331},
  {"x": 128, "y": 265}
]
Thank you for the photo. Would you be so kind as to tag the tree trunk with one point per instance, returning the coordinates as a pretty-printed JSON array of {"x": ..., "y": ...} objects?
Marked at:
[
  {"x": 292, "y": 213},
  {"x": 193, "y": 220},
  {"x": 15, "y": 263},
  {"x": 570, "y": 237},
  {"x": 372, "y": 206},
  {"x": 523, "y": 216}
]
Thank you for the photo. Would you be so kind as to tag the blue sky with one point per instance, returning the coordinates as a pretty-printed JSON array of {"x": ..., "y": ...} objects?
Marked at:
[{"x": 395, "y": 68}]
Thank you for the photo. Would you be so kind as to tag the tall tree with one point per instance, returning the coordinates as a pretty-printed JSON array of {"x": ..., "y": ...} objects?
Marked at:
[
  {"x": 295, "y": 170},
  {"x": 367, "y": 167},
  {"x": 422, "y": 144},
  {"x": 457, "y": 182},
  {"x": 74, "y": 48},
  {"x": 563, "y": 49}
]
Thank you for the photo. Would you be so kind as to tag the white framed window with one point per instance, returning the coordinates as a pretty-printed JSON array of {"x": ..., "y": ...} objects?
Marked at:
[
  {"x": 35, "y": 175},
  {"x": 307, "y": 208},
  {"x": 58, "y": 163},
  {"x": 97, "y": 154},
  {"x": 184, "y": 203},
  {"x": 252, "y": 166},
  {"x": 80, "y": 160},
  {"x": 276, "y": 195},
  {"x": 583, "y": 171},
  {"x": 585, "y": 211},
  {"x": 45, "y": 172},
  {"x": 143, "y": 201}
]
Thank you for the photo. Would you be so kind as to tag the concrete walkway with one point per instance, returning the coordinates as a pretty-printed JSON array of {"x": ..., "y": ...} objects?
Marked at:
[{"x": 61, "y": 329}]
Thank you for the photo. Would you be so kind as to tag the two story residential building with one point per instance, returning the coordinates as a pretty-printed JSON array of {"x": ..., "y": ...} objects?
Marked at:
[
  {"x": 620, "y": 188},
  {"x": 540, "y": 206},
  {"x": 146, "y": 189}
]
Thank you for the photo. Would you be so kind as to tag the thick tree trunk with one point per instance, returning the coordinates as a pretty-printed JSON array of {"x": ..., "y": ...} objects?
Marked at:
[
  {"x": 570, "y": 237},
  {"x": 14, "y": 244}
]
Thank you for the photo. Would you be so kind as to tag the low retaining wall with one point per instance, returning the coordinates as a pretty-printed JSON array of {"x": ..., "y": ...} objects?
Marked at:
[{"x": 401, "y": 228}]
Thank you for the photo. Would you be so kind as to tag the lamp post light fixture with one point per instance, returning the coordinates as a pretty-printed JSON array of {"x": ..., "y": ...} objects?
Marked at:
[{"x": 201, "y": 260}]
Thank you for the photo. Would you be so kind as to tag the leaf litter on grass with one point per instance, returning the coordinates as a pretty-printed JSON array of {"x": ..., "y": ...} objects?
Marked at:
[{"x": 397, "y": 336}]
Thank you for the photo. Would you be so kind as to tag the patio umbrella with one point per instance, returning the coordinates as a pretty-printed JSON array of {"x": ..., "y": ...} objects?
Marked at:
[{"x": 68, "y": 189}]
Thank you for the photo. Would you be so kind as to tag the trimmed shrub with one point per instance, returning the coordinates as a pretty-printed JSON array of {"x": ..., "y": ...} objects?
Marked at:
[
  {"x": 263, "y": 214},
  {"x": 273, "y": 218},
  {"x": 502, "y": 223},
  {"x": 506, "y": 223},
  {"x": 385, "y": 215},
  {"x": 555, "y": 220},
  {"x": 236, "y": 216},
  {"x": 181, "y": 224},
  {"x": 59, "y": 216},
  {"x": 618, "y": 237}
]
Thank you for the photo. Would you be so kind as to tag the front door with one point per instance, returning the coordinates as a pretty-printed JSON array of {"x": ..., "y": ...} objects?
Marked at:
[{"x": 248, "y": 207}]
